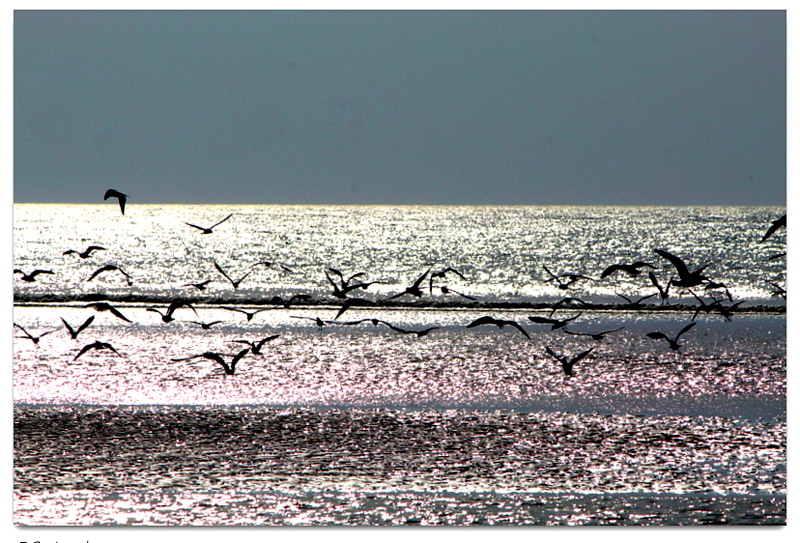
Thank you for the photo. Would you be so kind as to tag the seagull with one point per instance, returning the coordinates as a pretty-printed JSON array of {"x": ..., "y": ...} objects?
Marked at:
[
  {"x": 85, "y": 254},
  {"x": 234, "y": 283},
  {"x": 637, "y": 303},
  {"x": 230, "y": 369},
  {"x": 442, "y": 274},
  {"x": 255, "y": 346},
  {"x": 319, "y": 322},
  {"x": 271, "y": 264},
  {"x": 73, "y": 332},
  {"x": 556, "y": 324},
  {"x": 687, "y": 279},
  {"x": 499, "y": 323},
  {"x": 98, "y": 345},
  {"x": 597, "y": 336},
  {"x": 199, "y": 286},
  {"x": 209, "y": 230},
  {"x": 31, "y": 277},
  {"x": 35, "y": 339},
  {"x": 277, "y": 300},
  {"x": 104, "y": 306},
  {"x": 567, "y": 363},
  {"x": 630, "y": 269},
  {"x": 345, "y": 288},
  {"x": 447, "y": 290},
  {"x": 777, "y": 223},
  {"x": 111, "y": 267},
  {"x": 249, "y": 314},
  {"x": 662, "y": 292},
  {"x": 572, "y": 278},
  {"x": 167, "y": 317},
  {"x": 419, "y": 333},
  {"x": 342, "y": 280},
  {"x": 673, "y": 343},
  {"x": 414, "y": 289},
  {"x": 205, "y": 325},
  {"x": 112, "y": 193}
]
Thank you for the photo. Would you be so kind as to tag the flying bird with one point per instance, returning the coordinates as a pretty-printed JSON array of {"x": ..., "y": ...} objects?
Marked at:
[
  {"x": 199, "y": 286},
  {"x": 112, "y": 193},
  {"x": 33, "y": 338},
  {"x": 499, "y": 323},
  {"x": 111, "y": 267},
  {"x": 567, "y": 363},
  {"x": 673, "y": 343},
  {"x": 662, "y": 292},
  {"x": 73, "y": 332},
  {"x": 255, "y": 346},
  {"x": 234, "y": 283},
  {"x": 566, "y": 301},
  {"x": 31, "y": 277},
  {"x": 248, "y": 314},
  {"x": 319, "y": 322},
  {"x": 342, "y": 290},
  {"x": 597, "y": 336},
  {"x": 571, "y": 278},
  {"x": 442, "y": 274},
  {"x": 269, "y": 264},
  {"x": 419, "y": 333},
  {"x": 635, "y": 303},
  {"x": 86, "y": 253},
  {"x": 210, "y": 229},
  {"x": 777, "y": 223},
  {"x": 555, "y": 323},
  {"x": 230, "y": 369},
  {"x": 630, "y": 269},
  {"x": 277, "y": 300},
  {"x": 105, "y": 306},
  {"x": 167, "y": 316},
  {"x": 778, "y": 290},
  {"x": 447, "y": 290},
  {"x": 97, "y": 345},
  {"x": 686, "y": 279},
  {"x": 413, "y": 290},
  {"x": 205, "y": 325}
]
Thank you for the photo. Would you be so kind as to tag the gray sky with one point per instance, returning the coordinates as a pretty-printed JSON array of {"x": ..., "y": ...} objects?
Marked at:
[{"x": 311, "y": 107}]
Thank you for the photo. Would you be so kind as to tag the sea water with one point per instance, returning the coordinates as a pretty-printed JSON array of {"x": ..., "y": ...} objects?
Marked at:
[{"x": 359, "y": 424}]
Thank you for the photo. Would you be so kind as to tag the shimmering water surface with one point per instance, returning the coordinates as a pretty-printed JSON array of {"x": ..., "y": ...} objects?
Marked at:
[{"x": 359, "y": 424}]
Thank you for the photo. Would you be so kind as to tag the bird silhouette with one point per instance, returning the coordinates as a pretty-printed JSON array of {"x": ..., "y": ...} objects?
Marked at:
[
  {"x": 248, "y": 314},
  {"x": 350, "y": 302},
  {"x": 662, "y": 292},
  {"x": 255, "y": 346},
  {"x": 597, "y": 336},
  {"x": 499, "y": 323},
  {"x": 97, "y": 345},
  {"x": 630, "y": 269},
  {"x": 86, "y": 253},
  {"x": 345, "y": 287},
  {"x": 413, "y": 290},
  {"x": 73, "y": 332},
  {"x": 418, "y": 333},
  {"x": 167, "y": 315},
  {"x": 33, "y": 338},
  {"x": 31, "y": 277},
  {"x": 566, "y": 301},
  {"x": 205, "y": 325},
  {"x": 447, "y": 290},
  {"x": 319, "y": 322},
  {"x": 210, "y": 229},
  {"x": 673, "y": 343},
  {"x": 566, "y": 363},
  {"x": 571, "y": 278},
  {"x": 778, "y": 290},
  {"x": 277, "y": 300},
  {"x": 111, "y": 267},
  {"x": 555, "y": 324},
  {"x": 199, "y": 286},
  {"x": 635, "y": 304},
  {"x": 113, "y": 193},
  {"x": 441, "y": 274},
  {"x": 686, "y": 279},
  {"x": 269, "y": 264},
  {"x": 226, "y": 276},
  {"x": 777, "y": 223},
  {"x": 105, "y": 306},
  {"x": 230, "y": 369}
]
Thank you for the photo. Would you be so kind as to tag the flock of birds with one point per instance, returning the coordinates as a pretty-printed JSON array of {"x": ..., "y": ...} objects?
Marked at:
[{"x": 344, "y": 285}]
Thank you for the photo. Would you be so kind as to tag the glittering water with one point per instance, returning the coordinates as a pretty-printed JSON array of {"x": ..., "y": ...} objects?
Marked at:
[{"x": 358, "y": 424}]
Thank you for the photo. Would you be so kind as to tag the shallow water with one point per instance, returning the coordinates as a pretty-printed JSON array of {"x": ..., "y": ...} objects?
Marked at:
[{"x": 359, "y": 424}]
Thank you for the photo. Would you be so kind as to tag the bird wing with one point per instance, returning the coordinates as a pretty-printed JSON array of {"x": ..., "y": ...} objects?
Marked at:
[
  {"x": 72, "y": 332},
  {"x": 685, "y": 329},
  {"x": 542, "y": 320},
  {"x": 679, "y": 264},
  {"x": 84, "y": 349},
  {"x": 266, "y": 339},
  {"x": 220, "y": 270},
  {"x": 98, "y": 272},
  {"x": 581, "y": 356},
  {"x": 195, "y": 226},
  {"x": 777, "y": 223},
  {"x": 657, "y": 335},
  {"x": 116, "y": 313},
  {"x": 518, "y": 327},
  {"x": 609, "y": 270},
  {"x": 422, "y": 277},
  {"x": 551, "y": 353},
  {"x": 482, "y": 320},
  {"x": 220, "y": 222}
]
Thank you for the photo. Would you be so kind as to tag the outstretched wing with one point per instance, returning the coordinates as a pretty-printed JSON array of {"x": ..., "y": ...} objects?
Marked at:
[
  {"x": 657, "y": 335},
  {"x": 685, "y": 329},
  {"x": 220, "y": 222},
  {"x": 581, "y": 356},
  {"x": 679, "y": 264},
  {"x": 482, "y": 320},
  {"x": 220, "y": 270},
  {"x": 195, "y": 226},
  {"x": 542, "y": 320}
]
